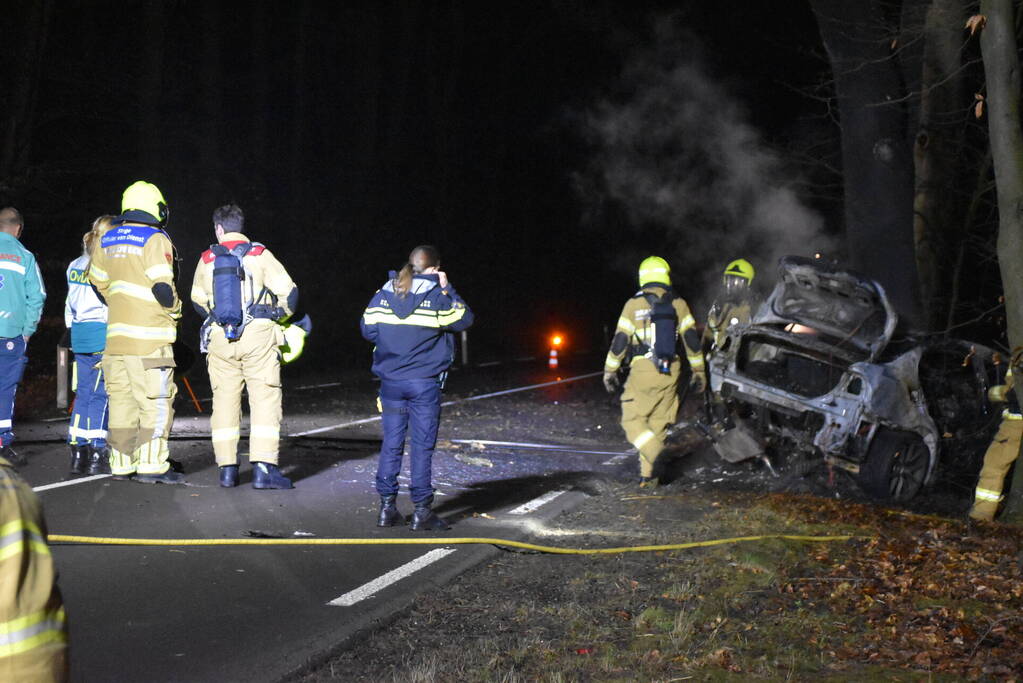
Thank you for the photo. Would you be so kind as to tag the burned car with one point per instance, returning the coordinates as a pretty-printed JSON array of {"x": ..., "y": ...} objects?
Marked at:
[{"x": 819, "y": 374}]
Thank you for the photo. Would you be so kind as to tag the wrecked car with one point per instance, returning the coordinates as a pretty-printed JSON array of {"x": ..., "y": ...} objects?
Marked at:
[{"x": 821, "y": 375}]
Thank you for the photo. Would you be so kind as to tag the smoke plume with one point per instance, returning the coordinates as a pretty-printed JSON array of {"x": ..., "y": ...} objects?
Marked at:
[{"x": 677, "y": 168}]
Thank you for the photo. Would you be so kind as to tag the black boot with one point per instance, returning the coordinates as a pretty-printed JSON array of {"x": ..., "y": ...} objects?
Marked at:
[
  {"x": 389, "y": 514},
  {"x": 80, "y": 453},
  {"x": 424, "y": 519},
  {"x": 99, "y": 460},
  {"x": 267, "y": 476},
  {"x": 229, "y": 476}
]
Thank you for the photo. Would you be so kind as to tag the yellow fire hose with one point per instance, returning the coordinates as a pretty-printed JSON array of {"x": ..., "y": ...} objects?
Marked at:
[{"x": 95, "y": 540}]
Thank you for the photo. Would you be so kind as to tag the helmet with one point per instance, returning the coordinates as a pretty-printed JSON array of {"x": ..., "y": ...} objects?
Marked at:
[
  {"x": 143, "y": 196},
  {"x": 654, "y": 269},
  {"x": 740, "y": 267},
  {"x": 738, "y": 277}
]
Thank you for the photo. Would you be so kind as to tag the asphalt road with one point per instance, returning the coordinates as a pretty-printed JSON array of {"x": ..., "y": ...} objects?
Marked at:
[{"x": 259, "y": 613}]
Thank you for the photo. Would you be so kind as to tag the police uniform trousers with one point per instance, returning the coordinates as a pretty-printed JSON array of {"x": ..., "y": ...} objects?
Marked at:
[
  {"x": 253, "y": 361},
  {"x": 141, "y": 391},
  {"x": 1000, "y": 455},
  {"x": 406, "y": 403},
  {"x": 12, "y": 367},
  {"x": 33, "y": 628},
  {"x": 649, "y": 406},
  {"x": 89, "y": 418}
]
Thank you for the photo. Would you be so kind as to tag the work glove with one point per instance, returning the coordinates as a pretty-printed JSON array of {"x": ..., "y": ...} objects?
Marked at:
[
  {"x": 698, "y": 382},
  {"x": 611, "y": 382}
]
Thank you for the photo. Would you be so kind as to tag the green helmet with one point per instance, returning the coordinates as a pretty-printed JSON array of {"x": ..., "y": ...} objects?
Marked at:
[
  {"x": 654, "y": 269},
  {"x": 740, "y": 267},
  {"x": 143, "y": 196}
]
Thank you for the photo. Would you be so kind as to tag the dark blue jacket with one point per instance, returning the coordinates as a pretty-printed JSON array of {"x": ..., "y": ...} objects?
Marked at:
[{"x": 413, "y": 333}]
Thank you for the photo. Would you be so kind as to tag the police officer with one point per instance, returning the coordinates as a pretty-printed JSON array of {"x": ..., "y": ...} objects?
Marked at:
[
  {"x": 33, "y": 629},
  {"x": 1004, "y": 448},
  {"x": 410, "y": 320},
  {"x": 735, "y": 306},
  {"x": 257, "y": 291},
  {"x": 85, "y": 316},
  {"x": 21, "y": 304},
  {"x": 134, "y": 273},
  {"x": 646, "y": 338}
]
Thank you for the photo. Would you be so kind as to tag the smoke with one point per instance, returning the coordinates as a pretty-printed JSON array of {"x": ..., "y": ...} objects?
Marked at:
[{"x": 678, "y": 170}]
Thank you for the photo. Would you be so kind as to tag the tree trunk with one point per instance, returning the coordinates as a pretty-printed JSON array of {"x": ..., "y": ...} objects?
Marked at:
[
  {"x": 1001, "y": 69},
  {"x": 876, "y": 159},
  {"x": 938, "y": 143}
]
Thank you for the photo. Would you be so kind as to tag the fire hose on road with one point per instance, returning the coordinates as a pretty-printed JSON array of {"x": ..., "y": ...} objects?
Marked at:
[{"x": 500, "y": 542}]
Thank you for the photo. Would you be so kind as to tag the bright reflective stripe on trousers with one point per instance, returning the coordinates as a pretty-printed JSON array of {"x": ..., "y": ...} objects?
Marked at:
[
  {"x": 643, "y": 439},
  {"x": 29, "y": 632},
  {"x": 989, "y": 495},
  {"x": 264, "y": 431},
  {"x": 226, "y": 434}
]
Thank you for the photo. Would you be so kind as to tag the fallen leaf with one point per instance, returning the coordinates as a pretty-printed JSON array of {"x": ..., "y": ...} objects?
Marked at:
[{"x": 976, "y": 23}]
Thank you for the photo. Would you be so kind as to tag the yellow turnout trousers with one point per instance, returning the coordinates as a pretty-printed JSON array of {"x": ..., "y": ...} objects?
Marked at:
[
  {"x": 649, "y": 405},
  {"x": 142, "y": 391},
  {"x": 1000, "y": 455},
  {"x": 33, "y": 629},
  {"x": 253, "y": 361}
]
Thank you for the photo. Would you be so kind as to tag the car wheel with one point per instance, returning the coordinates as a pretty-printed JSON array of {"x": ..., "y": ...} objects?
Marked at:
[{"x": 895, "y": 467}]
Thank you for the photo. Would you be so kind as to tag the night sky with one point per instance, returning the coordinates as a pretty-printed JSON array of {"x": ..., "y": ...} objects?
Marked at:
[{"x": 350, "y": 132}]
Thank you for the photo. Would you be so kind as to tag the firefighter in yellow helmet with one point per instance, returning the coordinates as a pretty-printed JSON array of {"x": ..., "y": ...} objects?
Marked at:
[
  {"x": 243, "y": 291},
  {"x": 33, "y": 630},
  {"x": 1004, "y": 448},
  {"x": 646, "y": 339},
  {"x": 734, "y": 306},
  {"x": 133, "y": 270}
]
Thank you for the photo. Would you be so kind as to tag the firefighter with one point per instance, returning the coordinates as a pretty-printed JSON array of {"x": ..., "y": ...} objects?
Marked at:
[
  {"x": 1004, "y": 448},
  {"x": 21, "y": 304},
  {"x": 243, "y": 292},
  {"x": 33, "y": 630},
  {"x": 85, "y": 316},
  {"x": 646, "y": 339},
  {"x": 410, "y": 320},
  {"x": 134, "y": 273},
  {"x": 735, "y": 306}
]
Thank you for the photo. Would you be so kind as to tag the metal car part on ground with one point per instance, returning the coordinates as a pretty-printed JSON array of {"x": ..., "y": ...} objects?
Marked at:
[{"x": 818, "y": 374}]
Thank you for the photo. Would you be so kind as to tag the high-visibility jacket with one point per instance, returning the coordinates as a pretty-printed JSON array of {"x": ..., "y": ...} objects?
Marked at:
[
  {"x": 131, "y": 260},
  {"x": 722, "y": 316},
  {"x": 33, "y": 629},
  {"x": 635, "y": 331},
  {"x": 412, "y": 332},
  {"x": 267, "y": 283},
  {"x": 21, "y": 289},
  {"x": 84, "y": 314}
]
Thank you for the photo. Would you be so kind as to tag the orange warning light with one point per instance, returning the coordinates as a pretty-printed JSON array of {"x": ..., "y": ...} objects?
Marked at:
[{"x": 557, "y": 340}]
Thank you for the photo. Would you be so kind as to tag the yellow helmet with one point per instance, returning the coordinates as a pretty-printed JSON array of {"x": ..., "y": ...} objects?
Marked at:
[
  {"x": 143, "y": 196},
  {"x": 654, "y": 269},
  {"x": 740, "y": 267}
]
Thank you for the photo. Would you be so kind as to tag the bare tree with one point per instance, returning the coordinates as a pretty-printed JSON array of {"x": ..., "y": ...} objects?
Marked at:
[
  {"x": 1001, "y": 67},
  {"x": 877, "y": 162}
]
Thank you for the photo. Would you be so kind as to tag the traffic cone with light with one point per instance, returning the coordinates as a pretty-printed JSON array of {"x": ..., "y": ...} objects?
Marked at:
[{"x": 552, "y": 360}]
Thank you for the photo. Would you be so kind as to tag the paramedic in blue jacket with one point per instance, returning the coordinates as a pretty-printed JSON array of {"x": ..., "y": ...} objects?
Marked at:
[
  {"x": 411, "y": 320},
  {"x": 21, "y": 304},
  {"x": 85, "y": 316}
]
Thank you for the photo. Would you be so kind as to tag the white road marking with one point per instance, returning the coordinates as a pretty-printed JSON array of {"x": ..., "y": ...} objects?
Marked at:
[
  {"x": 534, "y": 504},
  {"x": 540, "y": 446},
  {"x": 370, "y": 589},
  {"x": 375, "y": 418},
  {"x": 490, "y": 364},
  {"x": 70, "y": 482}
]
